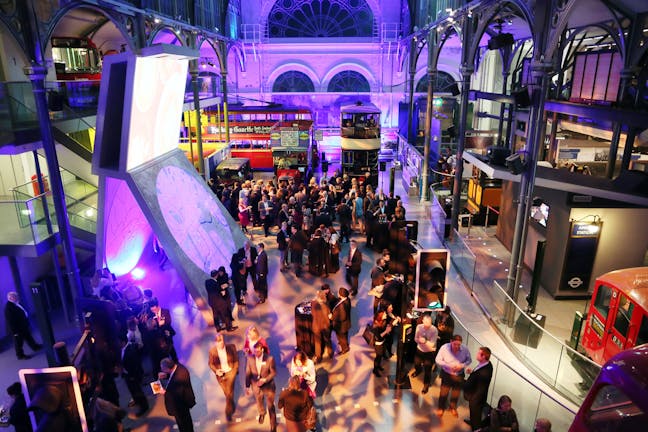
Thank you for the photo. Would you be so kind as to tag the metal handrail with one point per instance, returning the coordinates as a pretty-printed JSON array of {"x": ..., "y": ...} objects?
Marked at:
[
  {"x": 544, "y": 331},
  {"x": 458, "y": 321}
]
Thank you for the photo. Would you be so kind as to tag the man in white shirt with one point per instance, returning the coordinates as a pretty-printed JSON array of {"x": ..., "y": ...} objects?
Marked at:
[
  {"x": 426, "y": 339},
  {"x": 223, "y": 361},
  {"x": 452, "y": 358}
]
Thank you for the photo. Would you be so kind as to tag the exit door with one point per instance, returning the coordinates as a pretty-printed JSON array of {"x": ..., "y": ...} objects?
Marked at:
[{"x": 617, "y": 334}]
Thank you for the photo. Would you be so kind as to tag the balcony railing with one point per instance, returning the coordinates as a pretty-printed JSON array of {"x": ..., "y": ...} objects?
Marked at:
[
  {"x": 80, "y": 200},
  {"x": 558, "y": 365},
  {"x": 529, "y": 401},
  {"x": 23, "y": 222}
]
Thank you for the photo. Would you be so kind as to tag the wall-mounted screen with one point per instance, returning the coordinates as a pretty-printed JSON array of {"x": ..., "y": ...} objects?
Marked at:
[{"x": 540, "y": 212}]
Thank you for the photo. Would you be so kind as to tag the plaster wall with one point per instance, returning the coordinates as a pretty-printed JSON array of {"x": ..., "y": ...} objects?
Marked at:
[{"x": 621, "y": 243}]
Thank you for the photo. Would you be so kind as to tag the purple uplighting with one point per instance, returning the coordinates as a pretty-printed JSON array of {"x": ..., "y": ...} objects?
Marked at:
[
  {"x": 127, "y": 232},
  {"x": 138, "y": 273}
]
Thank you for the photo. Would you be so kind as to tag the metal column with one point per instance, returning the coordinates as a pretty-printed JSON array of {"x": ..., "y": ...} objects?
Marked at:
[{"x": 37, "y": 74}]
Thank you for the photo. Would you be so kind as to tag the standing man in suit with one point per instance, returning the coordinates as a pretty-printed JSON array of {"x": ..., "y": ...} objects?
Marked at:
[
  {"x": 160, "y": 335},
  {"x": 353, "y": 267},
  {"x": 321, "y": 325},
  {"x": 283, "y": 237},
  {"x": 341, "y": 318},
  {"x": 133, "y": 373},
  {"x": 266, "y": 213},
  {"x": 179, "y": 396},
  {"x": 476, "y": 386},
  {"x": 247, "y": 256},
  {"x": 260, "y": 371},
  {"x": 18, "y": 324},
  {"x": 223, "y": 360},
  {"x": 262, "y": 273}
]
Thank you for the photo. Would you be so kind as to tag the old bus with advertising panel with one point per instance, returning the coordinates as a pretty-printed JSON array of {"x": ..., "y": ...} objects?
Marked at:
[
  {"x": 250, "y": 130},
  {"x": 618, "y": 314},
  {"x": 360, "y": 141},
  {"x": 293, "y": 149}
]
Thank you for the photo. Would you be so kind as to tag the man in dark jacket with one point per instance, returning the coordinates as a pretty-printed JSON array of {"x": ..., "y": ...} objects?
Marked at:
[
  {"x": 219, "y": 299},
  {"x": 18, "y": 325},
  {"x": 133, "y": 373},
  {"x": 353, "y": 267},
  {"x": 18, "y": 416},
  {"x": 179, "y": 396},
  {"x": 341, "y": 319},
  {"x": 283, "y": 237},
  {"x": 298, "y": 242},
  {"x": 261, "y": 268},
  {"x": 476, "y": 387},
  {"x": 321, "y": 325},
  {"x": 260, "y": 372}
]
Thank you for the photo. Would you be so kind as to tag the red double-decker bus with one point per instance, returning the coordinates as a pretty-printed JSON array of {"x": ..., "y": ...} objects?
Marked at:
[
  {"x": 260, "y": 132},
  {"x": 76, "y": 58},
  {"x": 618, "y": 314}
]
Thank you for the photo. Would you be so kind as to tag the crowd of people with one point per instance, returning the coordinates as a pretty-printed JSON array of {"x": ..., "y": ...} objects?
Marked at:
[{"x": 302, "y": 219}]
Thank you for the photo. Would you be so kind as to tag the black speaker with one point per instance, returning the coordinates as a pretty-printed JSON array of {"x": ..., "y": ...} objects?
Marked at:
[
  {"x": 500, "y": 41},
  {"x": 452, "y": 132},
  {"x": 454, "y": 90},
  {"x": 522, "y": 98},
  {"x": 382, "y": 166},
  {"x": 497, "y": 155}
]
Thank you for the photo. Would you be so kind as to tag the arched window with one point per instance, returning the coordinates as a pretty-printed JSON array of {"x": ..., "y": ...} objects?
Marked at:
[
  {"x": 444, "y": 82},
  {"x": 293, "y": 81},
  {"x": 348, "y": 81},
  {"x": 320, "y": 18}
]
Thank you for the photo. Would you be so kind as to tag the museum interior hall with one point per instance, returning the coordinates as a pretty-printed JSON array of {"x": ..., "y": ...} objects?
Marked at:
[{"x": 483, "y": 163}]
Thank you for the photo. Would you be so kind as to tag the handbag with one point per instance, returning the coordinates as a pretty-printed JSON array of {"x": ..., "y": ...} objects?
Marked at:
[
  {"x": 368, "y": 335},
  {"x": 311, "y": 418}
]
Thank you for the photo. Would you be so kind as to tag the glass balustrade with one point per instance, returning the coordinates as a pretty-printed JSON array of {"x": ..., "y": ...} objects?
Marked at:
[
  {"x": 558, "y": 365},
  {"x": 462, "y": 257},
  {"x": 529, "y": 401},
  {"x": 80, "y": 200},
  {"x": 22, "y": 222},
  {"x": 438, "y": 217},
  {"x": 18, "y": 100}
]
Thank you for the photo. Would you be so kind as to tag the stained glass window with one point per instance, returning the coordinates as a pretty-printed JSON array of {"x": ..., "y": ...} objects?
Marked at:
[
  {"x": 442, "y": 85},
  {"x": 293, "y": 81},
  {"x": 348, "y": 81},
  {"x": 320, "y": 18}
]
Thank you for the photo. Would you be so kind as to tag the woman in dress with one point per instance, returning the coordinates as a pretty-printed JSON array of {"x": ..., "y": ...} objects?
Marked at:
[
  {"x": 304, "y": 368},
  {"x": 334, "y": 257},
  {"x": 381, "y": 328},
  {"x": 253, "y": 337},
  {"x": 244, "y": 215},
  {"x": 358, "y": 212}
]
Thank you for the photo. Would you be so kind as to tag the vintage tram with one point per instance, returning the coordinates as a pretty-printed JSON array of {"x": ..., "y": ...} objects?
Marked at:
[{"x": 360, "y": 141}]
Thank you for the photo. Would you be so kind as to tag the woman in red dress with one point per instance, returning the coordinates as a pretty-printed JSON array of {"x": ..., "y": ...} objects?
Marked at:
[{"x": 244, "y": 215}]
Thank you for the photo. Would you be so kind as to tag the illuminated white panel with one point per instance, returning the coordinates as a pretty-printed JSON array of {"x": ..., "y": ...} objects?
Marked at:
[{"x": 156, "y": 107}]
